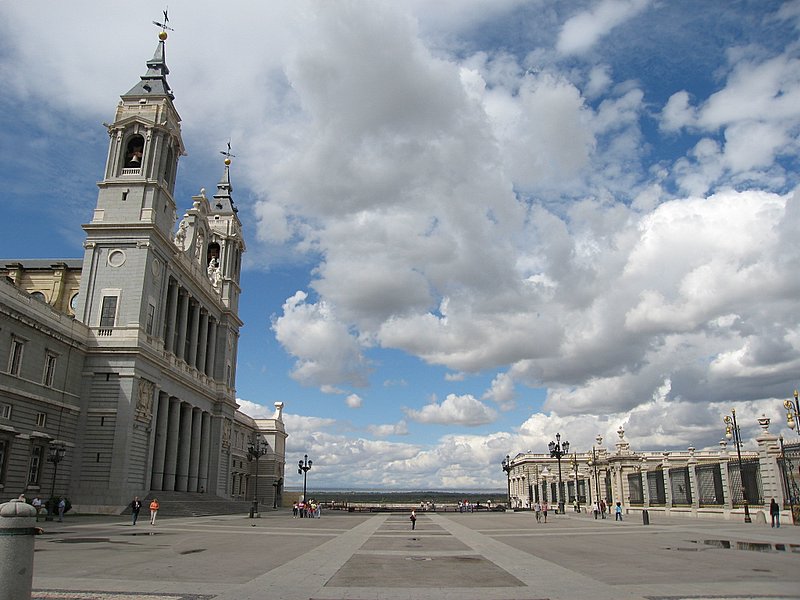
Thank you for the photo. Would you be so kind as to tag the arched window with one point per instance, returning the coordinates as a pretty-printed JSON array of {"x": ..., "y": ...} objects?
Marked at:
[
  {"x": 38, "y": 296},
  {"x": 133, "y": 152},
  {"x": 213, "y": 252},
  {"x": 169, "y": 164}
]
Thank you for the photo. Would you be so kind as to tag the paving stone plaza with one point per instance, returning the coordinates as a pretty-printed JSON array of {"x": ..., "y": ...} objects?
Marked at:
[{"x": 486, "y": 556}]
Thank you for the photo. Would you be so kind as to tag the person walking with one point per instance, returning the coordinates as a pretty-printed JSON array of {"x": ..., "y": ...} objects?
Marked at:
[
  {"x": 413, "y": 518},
  {"x": 545, "y": 508},
  {"x": 537, "y": 508},
  {"x": 603, "y": 508},
  {"x": 596, "y": 509},
  {"x": 294, "y": 510},
  {"x": 62, "y": 506},
  {"x": 775, "y": 513},
  {"x": 136, "y": 506},
  {"x": 618, "y": 512},
  {"x": 154, "y": 506}
]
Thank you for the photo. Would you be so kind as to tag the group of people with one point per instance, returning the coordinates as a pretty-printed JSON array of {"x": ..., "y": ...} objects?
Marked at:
[
  {"x": 136, "y": 506},
  {"x": 309, "y": 510},
  {"x": 59, "y": 508}
]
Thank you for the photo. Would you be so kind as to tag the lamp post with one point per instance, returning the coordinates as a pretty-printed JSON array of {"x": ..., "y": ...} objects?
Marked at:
[
  {"x": 577, "y": 495},
  {"x": 55, "y": 455},
  {"x": 255, "y": 450},
  {"x": 792, "y": 413},
  {"x": 791, "y": 484},
  {"x": 593, "y": 464},
  {"x": 507, "y": 468},
  {"x": 732, "y": 431},
  {"x": 303, "y": 467},
  {"x": 557, "y": 450}
]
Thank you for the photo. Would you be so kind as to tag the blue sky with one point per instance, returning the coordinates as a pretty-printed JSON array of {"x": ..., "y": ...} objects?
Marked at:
[{"x": 470, "y": 224}]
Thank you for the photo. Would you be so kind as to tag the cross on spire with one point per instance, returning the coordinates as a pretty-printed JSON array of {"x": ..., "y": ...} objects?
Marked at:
[
  {"x": 227, "y": 154},
  {"x": 165, "y": 25}
]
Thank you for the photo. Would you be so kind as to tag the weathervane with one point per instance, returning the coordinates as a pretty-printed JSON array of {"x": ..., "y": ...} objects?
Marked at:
[
  {"x": 227, "y": 154},
  {"x": 164, "y": 26}
]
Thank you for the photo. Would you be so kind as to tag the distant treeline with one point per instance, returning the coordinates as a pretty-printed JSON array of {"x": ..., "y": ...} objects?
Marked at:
[{"x": 389, "y": 497}]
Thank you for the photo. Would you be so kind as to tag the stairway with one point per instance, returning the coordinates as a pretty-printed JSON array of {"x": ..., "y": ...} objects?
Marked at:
[{"x": 192, "y": 504}]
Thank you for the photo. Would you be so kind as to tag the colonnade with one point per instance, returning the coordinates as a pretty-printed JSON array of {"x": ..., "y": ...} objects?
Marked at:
[
  {"x": 190, "y": 331},
  {"x": 182, "y": 446}
]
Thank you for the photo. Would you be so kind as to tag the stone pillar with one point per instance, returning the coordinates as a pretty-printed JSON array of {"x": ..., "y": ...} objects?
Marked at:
[
  {"x": 769, "y": 451},
  {"x": 205, "y": 447},
  {"x": 645, "y": 488},
  {"x": 667, "y": 484},
  {"x": 173, "y": 432},
  {"x": 194, "y": 452},
  {"x": 184, "y": 447},
  {"x": 183, "y": 317},
  {"x": 694, "y": 484},
  {"x": 171, "y": 316},
  {"x": 17, "y": 528},
  {"x": 193, "y": 334},
  {"x": 160, "y": 450},
  {"x": 202, "y": 342},
  {"x": 724, "y": 464},
  {"x": 211, "y": 359}
]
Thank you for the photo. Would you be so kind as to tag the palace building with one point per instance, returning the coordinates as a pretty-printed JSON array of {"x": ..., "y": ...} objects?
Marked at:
[{"x": 118, "y": 371}]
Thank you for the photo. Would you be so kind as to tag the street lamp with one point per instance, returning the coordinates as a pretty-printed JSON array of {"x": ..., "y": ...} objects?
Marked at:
[
  {"x": 792, "y": 412},
  {"x": 256, "y": 450},
  {"x": 557, "y": 450},
  {"x": 507, "y": 468},
  {"x": 303, "y": 467},
  {"x": 55, "y": 455},
  {"x": 575, "y": 468},
  {"x": 593, "y": 464},
  {"x": 732, "y": 431}
]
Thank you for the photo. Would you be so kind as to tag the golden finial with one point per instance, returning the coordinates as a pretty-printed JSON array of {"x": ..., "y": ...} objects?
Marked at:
[
  {"x": 164, "y": 26},
  {"x": 227, "y": 154}
]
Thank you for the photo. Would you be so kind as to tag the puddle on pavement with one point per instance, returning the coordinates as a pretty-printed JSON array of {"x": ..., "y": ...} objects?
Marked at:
[{"x": 737, "y": 545}]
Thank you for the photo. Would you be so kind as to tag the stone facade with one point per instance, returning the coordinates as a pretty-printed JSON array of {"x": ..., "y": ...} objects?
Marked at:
[
  {"x": 126, "y": 359},
  {"x": 691, "y": 483}
]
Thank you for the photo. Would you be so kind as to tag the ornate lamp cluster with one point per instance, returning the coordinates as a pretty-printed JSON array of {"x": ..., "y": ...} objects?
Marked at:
[{"x": 558, "y": 449}]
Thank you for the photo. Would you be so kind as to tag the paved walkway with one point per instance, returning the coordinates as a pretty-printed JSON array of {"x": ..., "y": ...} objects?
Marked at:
[{"x": 450, "y": 556}]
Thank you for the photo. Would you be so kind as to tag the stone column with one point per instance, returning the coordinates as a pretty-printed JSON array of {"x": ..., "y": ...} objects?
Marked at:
[
  {"x": 645, "y": 488},
  {"x": 205, "y": 446},
  {"x": 202, "y": 342},
  {"x": 211, "y": 359},
  {"x": 173, "y": 433},
  {"x": 194, "y": 453},
  {"x": 170, "y": 318},
  {"x": 160, "y": 450},
  {"x": 193, "y": 334},
  {"x": 183, "y": 317},
  {"x": 184, "y": 447}
]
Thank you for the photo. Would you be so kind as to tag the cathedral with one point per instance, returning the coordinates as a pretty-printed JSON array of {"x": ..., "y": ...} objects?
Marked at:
[{"x": 118, "y": 370}]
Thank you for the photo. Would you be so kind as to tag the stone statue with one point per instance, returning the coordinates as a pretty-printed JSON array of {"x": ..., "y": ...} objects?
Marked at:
[{"x": 180, "y": 235}]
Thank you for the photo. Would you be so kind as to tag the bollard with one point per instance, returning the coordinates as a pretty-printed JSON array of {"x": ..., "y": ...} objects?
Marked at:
[
  {"x": 645, "y": 518},
  {"x": 17, "y": 528}
]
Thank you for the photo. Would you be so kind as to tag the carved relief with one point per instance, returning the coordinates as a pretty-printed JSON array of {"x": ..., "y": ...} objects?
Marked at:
[
  {"x": 226, "y": 433},
  {"x": 144, "y": 400}
]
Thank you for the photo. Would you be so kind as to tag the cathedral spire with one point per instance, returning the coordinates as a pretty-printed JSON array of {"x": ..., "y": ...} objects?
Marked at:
[
  {"x": 154, "y": 82},
  {"x": 223, "y": 201}
]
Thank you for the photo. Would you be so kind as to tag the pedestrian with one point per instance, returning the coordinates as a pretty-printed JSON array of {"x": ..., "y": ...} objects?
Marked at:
[
  {"x": 37, "y": 504},
  {"x": 603, "y": 508},
  {"x": 413, "y": 518},
  {"x": 618, "y": 512},
  {"x": 596, "y": 509},
  {"x": 537, "y": 508},
  {"x": 154, "y": 506},
  {"x": 136, "y": 506},
  {"x": 545, "y": 508},
  {"x": 62, "y": 506},
  {"x": 294, "y": 510},
  {"x": 775, "y": 513}
]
